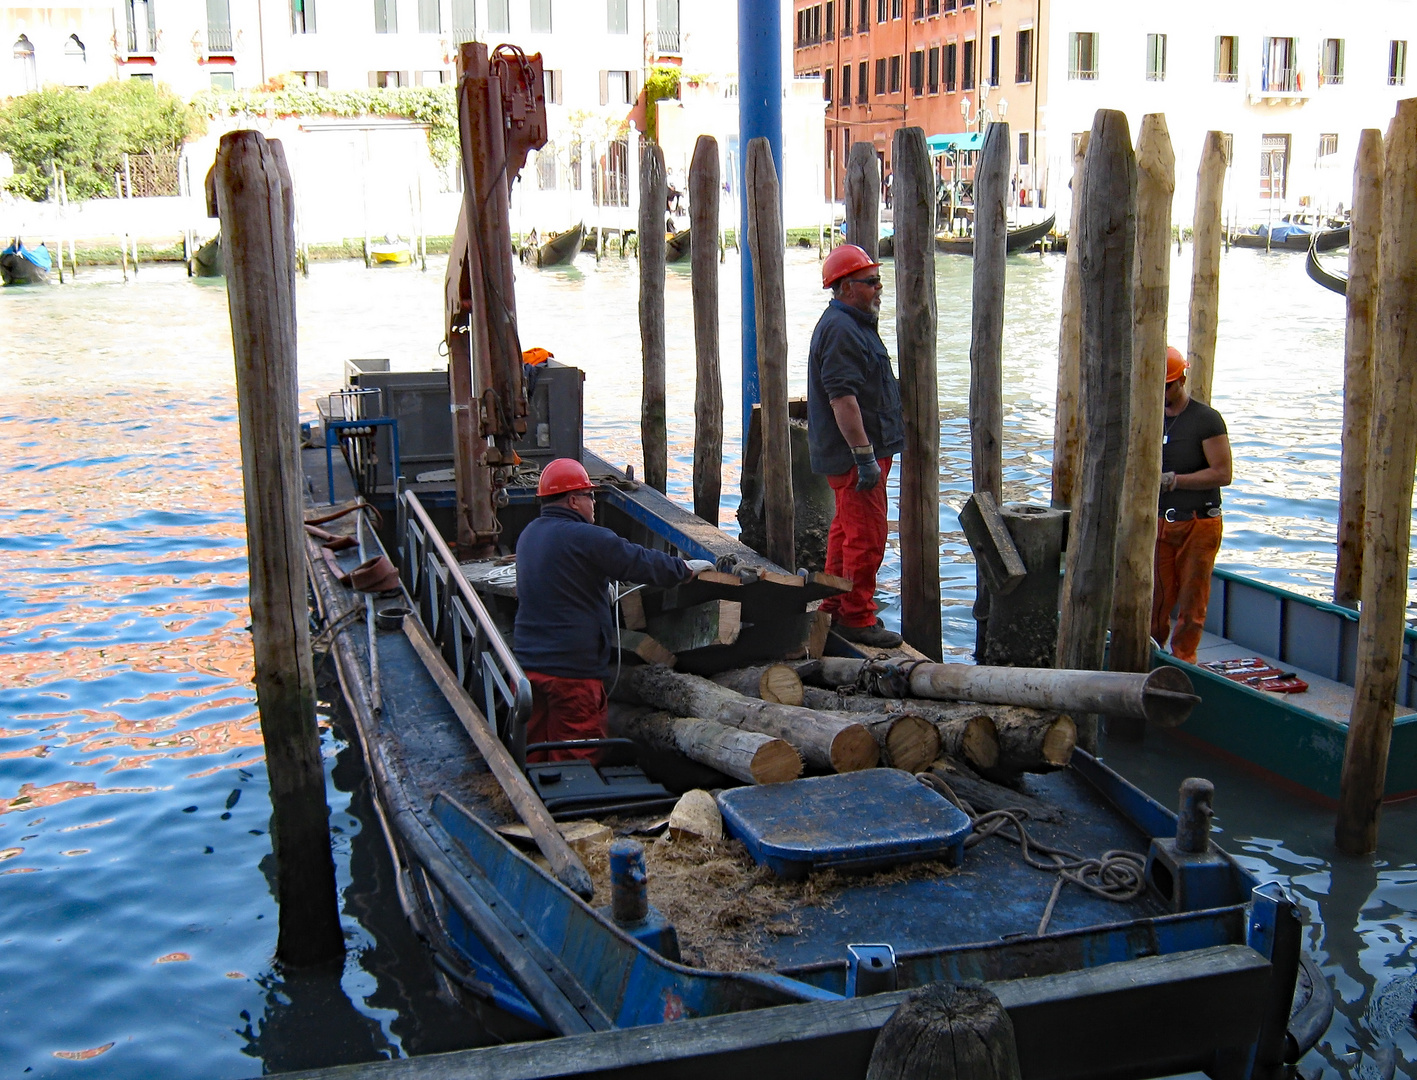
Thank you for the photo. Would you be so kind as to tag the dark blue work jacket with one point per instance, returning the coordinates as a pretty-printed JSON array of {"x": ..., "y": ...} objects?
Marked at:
[
  {"x": 564, "y": 568},
  {"x": 848, "y": 358}
]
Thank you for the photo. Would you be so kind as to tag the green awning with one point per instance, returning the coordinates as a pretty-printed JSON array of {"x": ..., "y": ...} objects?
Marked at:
[{"x": 964, "y": 140}]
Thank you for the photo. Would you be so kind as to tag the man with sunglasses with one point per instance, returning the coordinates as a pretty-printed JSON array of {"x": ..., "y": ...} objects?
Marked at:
[
  {"x": 854, "y": 428},
  {"x": 565, "y": 635},
  {"x": 1195, "y": 463}
]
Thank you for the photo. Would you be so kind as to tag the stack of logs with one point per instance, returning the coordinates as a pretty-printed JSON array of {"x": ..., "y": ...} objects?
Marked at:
[{"x": 769, "y": 724}]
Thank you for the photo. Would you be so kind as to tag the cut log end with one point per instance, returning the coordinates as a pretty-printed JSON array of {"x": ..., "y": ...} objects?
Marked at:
[
  {"x": 1059, "y": 741},
  {"x": 912, "y": 743},
  {"x": 780, "y": 684},
  {"x": 776, "y": 762},
  {"x": 854, "y": 748},
  {"x": 946, "y": 1032}
]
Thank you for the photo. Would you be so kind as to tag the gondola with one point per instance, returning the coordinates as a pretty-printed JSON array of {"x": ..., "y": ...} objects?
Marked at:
[
  {"x": 557, "y": 250},
  {"x": 207, "y": 260},
  {"x": 676, "y": 246},
  {"x": 1019, "y": 239},
  {"x": 1334, "y": 282},
  {"x": 20, "y": 265},
  {"x": 1291, "y": 237}
]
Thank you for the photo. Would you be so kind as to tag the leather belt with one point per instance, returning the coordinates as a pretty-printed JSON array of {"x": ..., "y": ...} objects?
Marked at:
[{"x": 1188, "y": 515}]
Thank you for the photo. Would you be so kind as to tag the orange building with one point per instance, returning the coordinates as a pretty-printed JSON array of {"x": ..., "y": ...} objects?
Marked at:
[{"x": 888, "y": 64}]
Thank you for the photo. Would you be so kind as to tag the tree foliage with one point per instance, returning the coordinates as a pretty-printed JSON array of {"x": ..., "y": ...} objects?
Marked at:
[
  {"x": 87, "y": 132},
  {"x": 661, "y": 84}
]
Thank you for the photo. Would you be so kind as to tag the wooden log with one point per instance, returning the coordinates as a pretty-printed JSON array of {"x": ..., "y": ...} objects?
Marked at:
[
  {"x": 863, "y": 198},
  {"x": 1364, "y": 230},
  {"x": 766, "y": 245},
  {"x": 825, "y": 741},
  {"x": 913, "y": 207},
  {"x": 1066, "y": 428},
  {"x": 256, "y": 204},
  {"x": 988, "y": 535},
  {"x": 1392, "y": 456},
  {"x": 1164, "y": 696},
  {"x": 985, "y": 795},
  {"x": 717, "y": 622},
  {"x": 966, "y": 731},
  {"x": 907, "y": 742},
  {"x": 1205, "y": 267},
  {"x": 1107, "y": 234},
  {"x": 1136, "y": 533},
  {"x": 777, "y": 683},
  {"x": 748, "y": 756},
  {"x": 974, "y": 739},
  {"x": 696, "y": 816},
  {"x": 645, "y": 648},
  {"x": 946, "y": 1032},
  {"x": 653, "y": 429},
  {"x": 704, "y": 191},
  {"x": 1028, "y": 745},
  {"x": 1022, "y": 628}
]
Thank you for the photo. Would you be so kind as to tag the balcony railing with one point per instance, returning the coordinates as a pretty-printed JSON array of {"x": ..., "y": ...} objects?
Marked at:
[
  {"x": 1227, "y": 76},
  {"x": 1282, "y": 81},
  {"x": 464, "y": 34},
  {"x": 1396, "y": 80},
  {"x": 219, "y": 39},
  {"x": 669, "y": 42},
  {"x": 1083, "y": 74}
]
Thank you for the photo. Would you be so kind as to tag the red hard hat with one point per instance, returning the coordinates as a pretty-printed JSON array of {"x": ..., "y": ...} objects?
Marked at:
[
  {"x": 563, "y": 475},
  {"x": 844, "y": 260},
  {"x": 1176, "y": 364}
]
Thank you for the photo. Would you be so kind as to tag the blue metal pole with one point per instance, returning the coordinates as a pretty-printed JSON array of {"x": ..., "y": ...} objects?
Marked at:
[{"x": 759, "y": 115}]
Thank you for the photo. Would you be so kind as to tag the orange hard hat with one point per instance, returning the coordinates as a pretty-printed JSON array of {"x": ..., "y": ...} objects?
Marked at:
[
  {"x": 1176, "y": 364},
  {"x": 562, "y": 476},
  {"x": 844, "y": 260}
]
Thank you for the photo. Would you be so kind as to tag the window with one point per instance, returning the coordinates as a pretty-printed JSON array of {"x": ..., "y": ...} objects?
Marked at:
[
  {"x": 24, "y": 62},
  {"x": 302, "y": 16},
  {"x": 1155, "y": 57},
  {"x": 933, "y": 70},
  {"x": 1227, "y": 58},
  {"x": 933, "y": 7},
  {"x": 917, "y": 72},
  {"x": 965, "y": 4},
  {"x": 617, "y": 16},
  {"x": 895, "y": 74},
  {"x": 386, "y": 17},
  {"x": 576, "y": 169},
  {"x": 861, "y": 86},
  {"x": 142, "y": 76},
  {"x": 846, "y": 17},
  {"x": 541, "y": 16},
  {"x": 951, "y": 67},
  {"x": 949, "y": 6},
  {"x": 845, "y": 143},
  {"x": 829, "y": 21},
  {"x": 1274, "y": 166},
  {"x": 896, "y": 9},
  {"x": 966, "y": 81},
  {"x": 880, "y": 76},
  {"x": 1227, "y": 144},
  {"x": 865, "y": 16},
  {"x": 223, "y": 80},
  {"x": 551, "y": 83},
  {"x": 218, "y": 26},
  {"x": 430, "y": 17},
  {"x": 1023, "y": 148},
  {"x": 546, "y": 167},
  {"x": 827, "y": 84},
  {"x": 499, "y": 19},
  {"x": 313, "y": 80},
  {"x": 1397, "y": 63},
  {"x": 880, "y": 11},
  {"x": 846, "y": 85},
  {"x": 1331, "y": 62},
  {"x": 464, "y": 22},
  {"x": 993, "y": 59},
  {"x": 386, "y": 80},
  {"x": 1082, "y": 56},
  {"x": 76, "y": 68},
  {"x": 142, "y": 27},
  {"x": 1280, "y": 74},
  {"x": 610, "y": 175},
  {"x": 668, "y": 26},
  {"x": 615, "y": 88},
  {"x": 1328, "y": 145},
  {"x": 1023, "y": 56}
]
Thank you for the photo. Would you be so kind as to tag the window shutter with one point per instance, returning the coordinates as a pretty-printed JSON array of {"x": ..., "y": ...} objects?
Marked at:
[
  {"x": 632, "y": 82},
  {"x": 373, "y": 78},
  {"x": 605, "y": 88}
]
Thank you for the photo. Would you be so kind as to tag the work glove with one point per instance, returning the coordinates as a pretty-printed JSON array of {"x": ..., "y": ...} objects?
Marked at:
[
  {"x": 698, "y": 566},
  {"x": 1168, "y": 482},
  {"x": 868, "y": 473}
]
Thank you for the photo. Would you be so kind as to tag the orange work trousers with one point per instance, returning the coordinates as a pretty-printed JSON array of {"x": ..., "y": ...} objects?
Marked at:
[
  {"x": 563, "y": 710},
  {"x": 856, "y": 544},
  {"x": 1185, "y": 556}
]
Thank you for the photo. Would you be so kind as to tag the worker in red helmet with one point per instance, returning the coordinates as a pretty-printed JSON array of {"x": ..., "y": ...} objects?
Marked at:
[
  {"x": 854, "y": 428},
  {"x": 565, "y": 633},
  {"x": 1195, "y": 465}
]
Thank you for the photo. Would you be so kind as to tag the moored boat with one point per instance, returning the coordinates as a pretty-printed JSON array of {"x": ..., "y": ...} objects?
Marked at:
[
  {"x": 676, "y": 246},
  {"x": 21, "y": 265},
  {"x": 1291, "y": 236},
  {"x": 1020, "y": 238},
  {"x": 390, "y": 251},
  {"x": 207, "y": 260},
  {"x": 559, "y": 249}
]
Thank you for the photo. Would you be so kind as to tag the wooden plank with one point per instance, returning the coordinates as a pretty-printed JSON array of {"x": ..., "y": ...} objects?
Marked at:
[
  {"x": 704, "y": 196},
  {"x": 1205, "y": 267},
  {"x": 785, "y": 637},
  {"x": 632, "y": 610},
  {"x": 715, "y": 622},
  {"x": 989, "y": 538},
  {"x": 916, "y": 332},
  {"x": 863, "y": 198},
  {"x": 653, "y": 431},
  {"x": 1066, "y": 427},
  {"x": 645, "y": 648}
]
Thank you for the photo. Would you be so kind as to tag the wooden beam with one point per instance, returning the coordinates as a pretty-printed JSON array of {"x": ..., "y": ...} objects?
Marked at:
[
  {"x": 989, "y": 538},
  {"x": 704, "y": 195},
  {"x": 645, "y": 648},
  {"x": 653, "y": 430},
  {"x": 715, "y": 622}
]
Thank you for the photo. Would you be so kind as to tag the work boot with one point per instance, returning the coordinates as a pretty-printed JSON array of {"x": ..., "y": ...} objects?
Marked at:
[{"x": 875, "y": 635}]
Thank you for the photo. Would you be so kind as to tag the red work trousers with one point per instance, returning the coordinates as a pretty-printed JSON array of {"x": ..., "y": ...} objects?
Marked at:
[
  {"x": 1185, "y": 556},
  {"x": 856, "y": 544},
  {"x": 564, "y": 709}
]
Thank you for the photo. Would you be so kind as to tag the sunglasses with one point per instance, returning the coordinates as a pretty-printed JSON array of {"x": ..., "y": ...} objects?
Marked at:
[{"x": 870, "y": 282}]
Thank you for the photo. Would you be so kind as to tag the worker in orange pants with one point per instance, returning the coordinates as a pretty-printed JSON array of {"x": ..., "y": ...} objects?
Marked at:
[
  {"x": 856, "y": 544},
  {"x": 1185, "y": 556}
]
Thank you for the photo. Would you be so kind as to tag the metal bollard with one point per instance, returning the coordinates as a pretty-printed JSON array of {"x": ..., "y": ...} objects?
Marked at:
[
  {"x": 1193, "y": 828},
  {"x": 629, "y": 898}
]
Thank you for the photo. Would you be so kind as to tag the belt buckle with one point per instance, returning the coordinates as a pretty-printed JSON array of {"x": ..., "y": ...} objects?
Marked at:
[{"x": 1170, "y": 514}]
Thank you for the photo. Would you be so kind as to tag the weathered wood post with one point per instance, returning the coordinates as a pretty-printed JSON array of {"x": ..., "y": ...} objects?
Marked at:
[
  {"x": 863, "y": 198},
  {"x": 653, "y": 430},
  {"x": 1151, "y": 293},
  {"x": 766, "y": 243},
  {"x": 1205, "y": 267},
  {"x": 1366, "y": 224},
  {"x": 919, "y": 392},
  {"x": 1065, "y": 421},
  {"x": 257, "y": 227},
  {"x": 1392, "y": 456},
  {"x": 986, "y": 341},
  {"x": 946, "y": 1032},
  {"x": 708, "y": 385},
  {"x": 1106, "y": 237}
]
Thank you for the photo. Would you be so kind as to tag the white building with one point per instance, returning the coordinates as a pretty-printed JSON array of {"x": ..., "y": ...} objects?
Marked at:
[{"x": 1291, "y": 85}]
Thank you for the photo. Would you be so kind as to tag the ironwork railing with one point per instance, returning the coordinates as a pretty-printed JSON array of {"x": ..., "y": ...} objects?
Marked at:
[
  {"x": 459, "y": 623},
  {"x": 668, "y": 42},
  {"x": 219, "y": 39}
]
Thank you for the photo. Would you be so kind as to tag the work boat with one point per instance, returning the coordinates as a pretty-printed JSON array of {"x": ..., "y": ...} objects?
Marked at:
[{"x": 823, "y": 889}]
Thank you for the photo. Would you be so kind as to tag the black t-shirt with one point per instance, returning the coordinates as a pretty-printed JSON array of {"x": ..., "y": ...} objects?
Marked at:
[{"x": 1182, "y": 452}]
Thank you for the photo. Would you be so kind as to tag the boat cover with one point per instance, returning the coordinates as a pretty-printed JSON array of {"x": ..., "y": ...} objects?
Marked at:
[{"x": 39, "y": 256}]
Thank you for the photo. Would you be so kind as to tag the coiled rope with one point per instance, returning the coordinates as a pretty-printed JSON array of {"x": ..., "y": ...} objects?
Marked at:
[{"x": 1117, "y": 875}]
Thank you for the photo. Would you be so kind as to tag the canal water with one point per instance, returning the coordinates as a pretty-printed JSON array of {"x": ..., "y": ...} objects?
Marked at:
[{"x": 137, "y": 923}]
